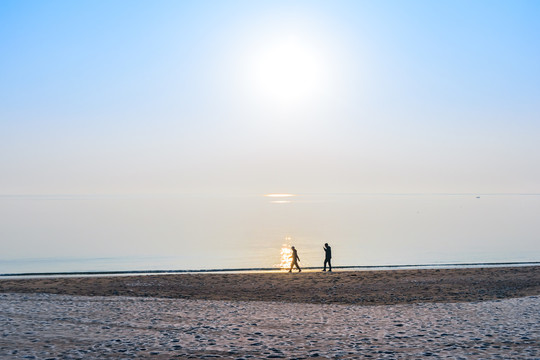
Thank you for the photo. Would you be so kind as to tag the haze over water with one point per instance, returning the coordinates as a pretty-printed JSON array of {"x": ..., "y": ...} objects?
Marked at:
[
  {"x": 209, "y": 232},
  {"x": 140, "y": 135}
]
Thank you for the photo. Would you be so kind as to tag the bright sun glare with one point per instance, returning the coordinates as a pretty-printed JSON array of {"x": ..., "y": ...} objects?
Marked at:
[
  {"x": 288, "y": 70},
  {"x": 285, "y": 255}
]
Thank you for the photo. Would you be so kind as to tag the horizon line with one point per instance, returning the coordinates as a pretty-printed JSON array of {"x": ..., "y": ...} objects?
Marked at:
[{"x": 157, "y": 195}]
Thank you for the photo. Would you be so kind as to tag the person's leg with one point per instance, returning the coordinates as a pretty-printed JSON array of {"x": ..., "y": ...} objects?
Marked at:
[
  {"x": 329, "y": 265},
  {"x": 293, "y": 264},
  {"x": 324, "y": 267}
]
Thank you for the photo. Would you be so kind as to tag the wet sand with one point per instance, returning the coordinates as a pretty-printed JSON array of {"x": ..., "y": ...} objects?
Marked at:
[
  {"x": 448, "y": 314},
  {"x": 344, "y": 287}
]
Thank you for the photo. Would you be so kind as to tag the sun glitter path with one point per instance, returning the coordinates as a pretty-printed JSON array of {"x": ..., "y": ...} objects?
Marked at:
[{"x": 57, "y": 326}]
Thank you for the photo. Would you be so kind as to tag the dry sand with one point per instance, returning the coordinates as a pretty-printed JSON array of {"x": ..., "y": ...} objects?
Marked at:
[
  {"x": 435, "y": 314},
  {"x": 43, "y": 326}
]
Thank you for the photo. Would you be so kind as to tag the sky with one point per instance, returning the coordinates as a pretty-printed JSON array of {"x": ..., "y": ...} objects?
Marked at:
[{"x": 246, "y": 98}]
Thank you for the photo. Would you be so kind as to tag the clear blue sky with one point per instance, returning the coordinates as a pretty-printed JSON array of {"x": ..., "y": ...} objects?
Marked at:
[
  {"x": 201, "y": 107},
  {"x": 185, "y": 96}
]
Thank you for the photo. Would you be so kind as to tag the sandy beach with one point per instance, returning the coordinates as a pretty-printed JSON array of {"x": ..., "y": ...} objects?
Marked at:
[
  {"x": 341, "y": 287},
  {"x": 490, "y": 313}
]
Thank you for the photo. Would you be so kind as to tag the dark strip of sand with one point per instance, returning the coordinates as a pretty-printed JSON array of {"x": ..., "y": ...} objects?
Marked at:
[{"x": 345, "y": 287}]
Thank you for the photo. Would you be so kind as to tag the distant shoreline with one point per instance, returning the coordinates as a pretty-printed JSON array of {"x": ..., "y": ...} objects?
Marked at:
[{"x": 270, "y": 269}]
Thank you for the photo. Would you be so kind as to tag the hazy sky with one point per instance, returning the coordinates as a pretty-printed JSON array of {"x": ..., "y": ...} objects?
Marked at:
[
  {"x": 159, "y": 99},
  {"x": 139, "y": 97}
]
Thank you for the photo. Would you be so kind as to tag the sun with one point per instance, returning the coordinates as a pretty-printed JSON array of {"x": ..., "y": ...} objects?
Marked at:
[{"x": 287, "y": 70}]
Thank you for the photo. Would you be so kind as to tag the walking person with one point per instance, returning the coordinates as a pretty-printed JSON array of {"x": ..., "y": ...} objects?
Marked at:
[
  {"x": 327, "y": 257},
  {"x": 295, "y": 259}
]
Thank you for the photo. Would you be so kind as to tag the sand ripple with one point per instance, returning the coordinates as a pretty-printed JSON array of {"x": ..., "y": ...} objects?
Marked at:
[{"x": 44, "y": 326}]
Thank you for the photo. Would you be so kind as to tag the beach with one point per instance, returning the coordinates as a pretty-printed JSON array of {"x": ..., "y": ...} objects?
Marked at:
[
  {"x": 341, "y": 287},
  {"x": 476, "y": 313}
]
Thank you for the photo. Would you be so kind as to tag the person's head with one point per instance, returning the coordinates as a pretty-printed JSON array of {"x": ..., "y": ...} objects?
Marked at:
[
  {"x": 325, "y": 244},
  {"x": 292, "y": 247}
]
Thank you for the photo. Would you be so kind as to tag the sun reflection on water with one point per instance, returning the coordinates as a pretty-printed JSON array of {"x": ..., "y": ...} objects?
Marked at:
[{"x": 286, "y": 255}]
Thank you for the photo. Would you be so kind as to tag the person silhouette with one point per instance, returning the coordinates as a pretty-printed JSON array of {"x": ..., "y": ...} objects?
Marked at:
[
  {"x": 327, "y": 257},
  {"x": 295, "y": 259}
]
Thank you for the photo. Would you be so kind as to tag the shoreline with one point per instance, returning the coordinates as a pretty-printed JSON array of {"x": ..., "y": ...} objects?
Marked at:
[
  {"x": 384, "y": 287},
  {"x": 269, "y": 269}
]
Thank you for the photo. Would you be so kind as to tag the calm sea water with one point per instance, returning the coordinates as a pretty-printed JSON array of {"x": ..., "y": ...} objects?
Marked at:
[{"x": 123, "y": 233}]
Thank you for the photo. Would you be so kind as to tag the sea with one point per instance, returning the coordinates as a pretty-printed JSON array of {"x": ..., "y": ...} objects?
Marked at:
[{"x": 92, "y": 234}]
